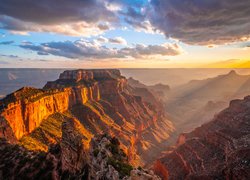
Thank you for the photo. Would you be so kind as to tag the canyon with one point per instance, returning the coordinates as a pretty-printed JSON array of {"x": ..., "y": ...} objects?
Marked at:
[
  {"x": 196, "y": 102},
  {"x": 96, "y": 124},
  {"x": 101, "y": 101},
  {"x": 219, "y": 149}
]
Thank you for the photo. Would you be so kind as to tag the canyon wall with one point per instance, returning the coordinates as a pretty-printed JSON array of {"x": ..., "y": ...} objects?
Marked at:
[
  {"x": 26, "y": 114},
  {"x": 219, "y": 149}
]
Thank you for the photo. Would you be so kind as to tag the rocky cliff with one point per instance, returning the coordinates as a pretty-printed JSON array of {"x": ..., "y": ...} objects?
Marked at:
[
  {"x": 219, "y": 149},
  {"x": 98, "y": 100},
  {"x": 25, "y": 109}
]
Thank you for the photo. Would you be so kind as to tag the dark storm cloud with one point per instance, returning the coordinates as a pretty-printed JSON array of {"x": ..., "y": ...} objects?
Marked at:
[
  {"x": 74, "y": 17},
  {"x": 202, "y": 22},
  {"x": 90, "y": 50},
  {"x": 55, "y": 12},
  {"x": 6, "y": 42}
]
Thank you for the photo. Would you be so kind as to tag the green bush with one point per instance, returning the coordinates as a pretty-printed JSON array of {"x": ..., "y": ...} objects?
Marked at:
[
  {"x": 114, "y": 149},
  {"x": 123, "y": 168}
]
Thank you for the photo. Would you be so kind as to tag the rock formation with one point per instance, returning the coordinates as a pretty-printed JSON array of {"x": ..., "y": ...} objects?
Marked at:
[
  {"x": 219, "y": 149},
  {"x": 99, "y": 100},
  {"x": 109, "y": 161},
  {"x": 73, "y": 147}
]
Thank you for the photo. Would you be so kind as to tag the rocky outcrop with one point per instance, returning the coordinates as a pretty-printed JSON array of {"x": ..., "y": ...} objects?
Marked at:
[
  {"x": 109, "y": 161},
  {"x": 6, "y": 131},
  {"x": 74, "y": 146},
  {"x": 219, "y": 149}
]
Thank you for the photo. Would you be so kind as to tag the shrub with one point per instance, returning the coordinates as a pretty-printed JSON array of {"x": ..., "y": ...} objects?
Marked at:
[
  {"x": 115, "y": 141},
  {"x": 96, "y": 152},
  {"x": 123, "y": 168}
]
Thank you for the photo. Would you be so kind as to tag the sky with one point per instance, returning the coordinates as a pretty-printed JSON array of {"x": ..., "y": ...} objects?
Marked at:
[{"x": 124, "y": 33}]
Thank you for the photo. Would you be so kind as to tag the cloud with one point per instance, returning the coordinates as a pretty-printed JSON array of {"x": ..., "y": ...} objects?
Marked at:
[
  {"x": 83, "y": 49},
  {"x": 247, "y": 45},
  {"x": 49, "y": 12},
  {"x": 2, "y": 35},
  {"x": 16, "y": 26},
  {"x": 115, "y": 40},
  {"x": 6, "y": 42},
  {"x": 135, "y": 14},
  {"x": 202, "y": 22},
  {"x": 9, "y": 56},
  {"x": 143, "y": 51},
  {"x": 118, "y": 40},
  {"x": 102, "y": 39},
  {"x": 74, "y": 50},
  {"x": 75, "y": 17}
]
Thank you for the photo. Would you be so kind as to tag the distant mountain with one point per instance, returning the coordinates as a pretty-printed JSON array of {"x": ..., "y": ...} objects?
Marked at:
[
  {"x": 176, "y": 76},
  {"x": 161, "y": 90},
  {"x": 194, "y": 103},
  {"x": 219, "y": 149}
]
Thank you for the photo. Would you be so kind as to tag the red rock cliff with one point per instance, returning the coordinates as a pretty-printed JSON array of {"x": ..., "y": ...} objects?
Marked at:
[
  {"x": 100, "y": 100},
  {"x": 24, "y": 114}
]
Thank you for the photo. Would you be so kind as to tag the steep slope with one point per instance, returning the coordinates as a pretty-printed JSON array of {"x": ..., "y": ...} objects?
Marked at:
[
  {"x": 190, "y": 101},
  {"x": 99, "y": 100},
  {"x": 219, "y": 149}
]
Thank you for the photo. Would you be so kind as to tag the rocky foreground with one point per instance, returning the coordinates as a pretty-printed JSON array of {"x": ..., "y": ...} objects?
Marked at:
[
  {"x": 71, "y": 160},
  {"x": 219, "y": 149}
]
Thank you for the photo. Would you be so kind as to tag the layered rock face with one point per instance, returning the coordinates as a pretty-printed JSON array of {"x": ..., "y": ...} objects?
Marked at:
[
  {"x": 25, "y": 109},
  {"x": 99, "y": 100},
  {"x": 219, "y": 149}
]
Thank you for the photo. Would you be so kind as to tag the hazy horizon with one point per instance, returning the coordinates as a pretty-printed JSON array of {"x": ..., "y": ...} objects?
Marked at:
[{"x": 15, "y": 78}]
